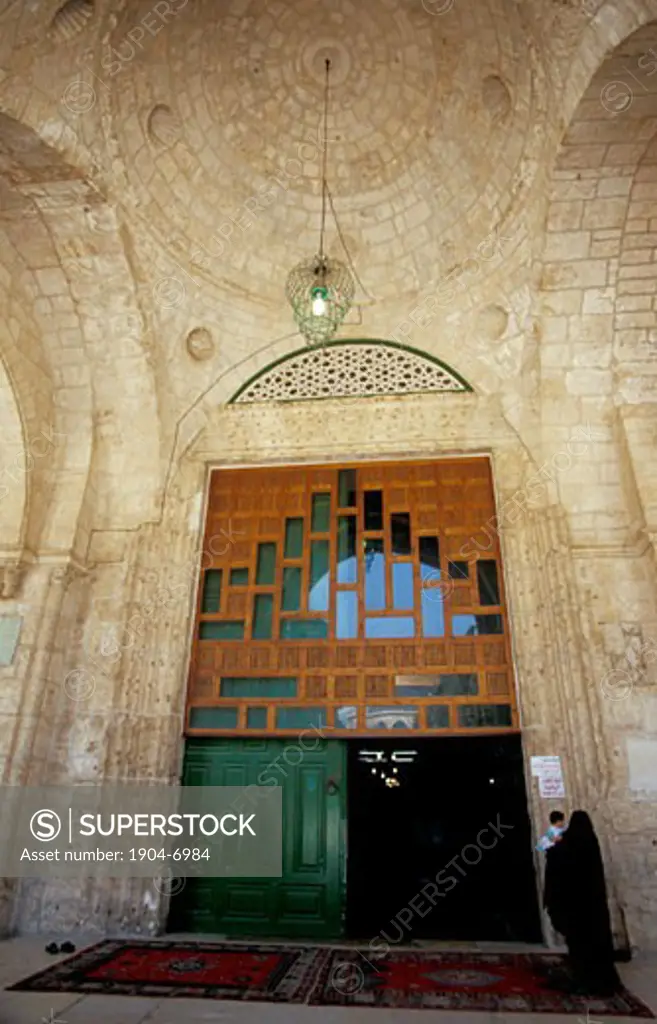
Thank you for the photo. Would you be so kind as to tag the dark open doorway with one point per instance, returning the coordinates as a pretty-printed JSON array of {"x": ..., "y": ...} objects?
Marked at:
[{"x": 448, "y": 816}]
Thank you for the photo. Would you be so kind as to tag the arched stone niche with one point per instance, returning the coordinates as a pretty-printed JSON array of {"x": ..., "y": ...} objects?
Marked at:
[{"x": 141, "y": 732}]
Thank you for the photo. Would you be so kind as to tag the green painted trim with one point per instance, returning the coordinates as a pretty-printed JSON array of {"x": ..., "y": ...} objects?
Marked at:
[{"x": 354, "y": 341}]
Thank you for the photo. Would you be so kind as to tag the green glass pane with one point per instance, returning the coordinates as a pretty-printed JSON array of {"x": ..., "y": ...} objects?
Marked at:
[
  {"x": 346, "y": 615},
  {"x": 239, "y": 577},
  {"x": 300, "y": 718},
  {"x": 263, "y": 610},
  {"x": 291, "y": 589},
  {"x": 256, "y": 718},
  {"x": 459, "y": 684},
  {"x": 437, "y": 716},
  {"x": 211, "y": 591},
  {"x": 270, "y": 686},
  {"x": 266, "y": 563},
  {"x": 347, "y": 563},
  {"x": 347, "y": 488},
  {"x": 293, "y": 538},
  {"x": 484, "y": 716},
  {"x": 318, "y": 590},
  {"x": 321, "y": 515},
  {"x": 221, "y": 631},
  {"x": 304, "y": 629},
  {"x": 213, "y": 718}
]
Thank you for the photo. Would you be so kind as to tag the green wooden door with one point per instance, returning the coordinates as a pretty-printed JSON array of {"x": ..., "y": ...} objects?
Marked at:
[{"x": 308, "y": 900}]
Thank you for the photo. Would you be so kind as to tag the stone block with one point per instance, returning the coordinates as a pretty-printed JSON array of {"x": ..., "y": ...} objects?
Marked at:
[
  {"x": 604, "y": 213},
  {"x": 589, "y": 382}
]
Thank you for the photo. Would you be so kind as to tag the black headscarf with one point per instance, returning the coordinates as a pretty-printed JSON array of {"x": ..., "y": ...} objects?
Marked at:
[{"x": 581, "y": 836}]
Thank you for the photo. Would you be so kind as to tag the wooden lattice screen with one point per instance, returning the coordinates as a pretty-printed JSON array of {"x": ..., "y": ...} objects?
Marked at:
[{"x": 352, "y": 598}]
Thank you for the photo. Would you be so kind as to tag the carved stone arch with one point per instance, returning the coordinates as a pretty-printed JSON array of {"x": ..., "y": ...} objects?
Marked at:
[
  {"x": 613, "y": 23},
  {"x": 52, "y": 461},
  {"x": 87, "y": 258},
  {"x": 599, "y": 376},
  {"x": 350, "y": 369},
  {"x": 599, "y": 277}
]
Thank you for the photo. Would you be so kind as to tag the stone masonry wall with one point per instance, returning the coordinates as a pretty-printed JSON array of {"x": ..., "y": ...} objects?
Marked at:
[{"x": 494, "y": 172}]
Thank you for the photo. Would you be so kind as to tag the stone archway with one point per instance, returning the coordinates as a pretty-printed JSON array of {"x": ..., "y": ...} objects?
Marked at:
[
  {"x": 574, "y": 388},
  {"x": 598, "y": 367},
  {"x": 141, "y": 734},
  {"x": 61, "y": 460}
]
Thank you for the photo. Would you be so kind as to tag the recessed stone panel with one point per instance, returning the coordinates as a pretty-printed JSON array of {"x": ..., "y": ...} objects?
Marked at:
[
  {"x": 642, "y": 764},
  {"x": 200, "y": 344},
  {"x": 164, "y": 126},
  {"x": 497, "y": 98}
]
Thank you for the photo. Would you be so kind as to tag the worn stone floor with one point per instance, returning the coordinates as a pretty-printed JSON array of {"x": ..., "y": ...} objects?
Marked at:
[{"x": 24, "y": 956}]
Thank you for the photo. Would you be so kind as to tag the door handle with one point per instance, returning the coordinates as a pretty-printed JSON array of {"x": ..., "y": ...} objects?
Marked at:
[{"x": 332, "y": 787}]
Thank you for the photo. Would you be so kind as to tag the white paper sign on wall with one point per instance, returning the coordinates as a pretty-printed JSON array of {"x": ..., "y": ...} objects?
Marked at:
[{"x": 550, "y": 777}]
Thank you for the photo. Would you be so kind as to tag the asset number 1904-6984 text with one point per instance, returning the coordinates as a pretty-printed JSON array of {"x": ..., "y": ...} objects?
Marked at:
[{"x": 150, "y": 853}]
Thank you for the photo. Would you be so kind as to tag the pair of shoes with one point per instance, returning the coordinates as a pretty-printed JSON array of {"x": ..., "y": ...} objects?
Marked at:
[{"x": 66, "y": 947}]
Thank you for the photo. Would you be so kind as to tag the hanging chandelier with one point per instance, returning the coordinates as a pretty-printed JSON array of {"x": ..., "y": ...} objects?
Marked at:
[{"x": 320, "y": 290}]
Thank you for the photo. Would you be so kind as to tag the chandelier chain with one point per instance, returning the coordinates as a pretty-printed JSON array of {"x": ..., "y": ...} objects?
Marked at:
[
  {"x": 346, "y": 250},
  {"x": 324, "y": 159},
  {"x": 321, "y": 290}
]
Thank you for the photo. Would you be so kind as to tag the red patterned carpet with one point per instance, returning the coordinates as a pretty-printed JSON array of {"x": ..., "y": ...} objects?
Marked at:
[
  {"x": 324, "y": 976},
  {"x": 207, "y": 970},
  {"x": 487, "y": 982}
]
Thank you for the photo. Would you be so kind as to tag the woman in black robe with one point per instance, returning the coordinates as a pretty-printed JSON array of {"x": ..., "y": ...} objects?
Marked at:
[{"x": 576, "y": 900}]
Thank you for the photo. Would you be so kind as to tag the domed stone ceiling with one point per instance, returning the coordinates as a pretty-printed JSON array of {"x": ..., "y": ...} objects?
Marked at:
[{"x": 219, "y": 115}]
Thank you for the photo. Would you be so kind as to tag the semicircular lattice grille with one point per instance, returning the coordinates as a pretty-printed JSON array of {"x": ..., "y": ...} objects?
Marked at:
[{"x": 350, "y": 370}]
